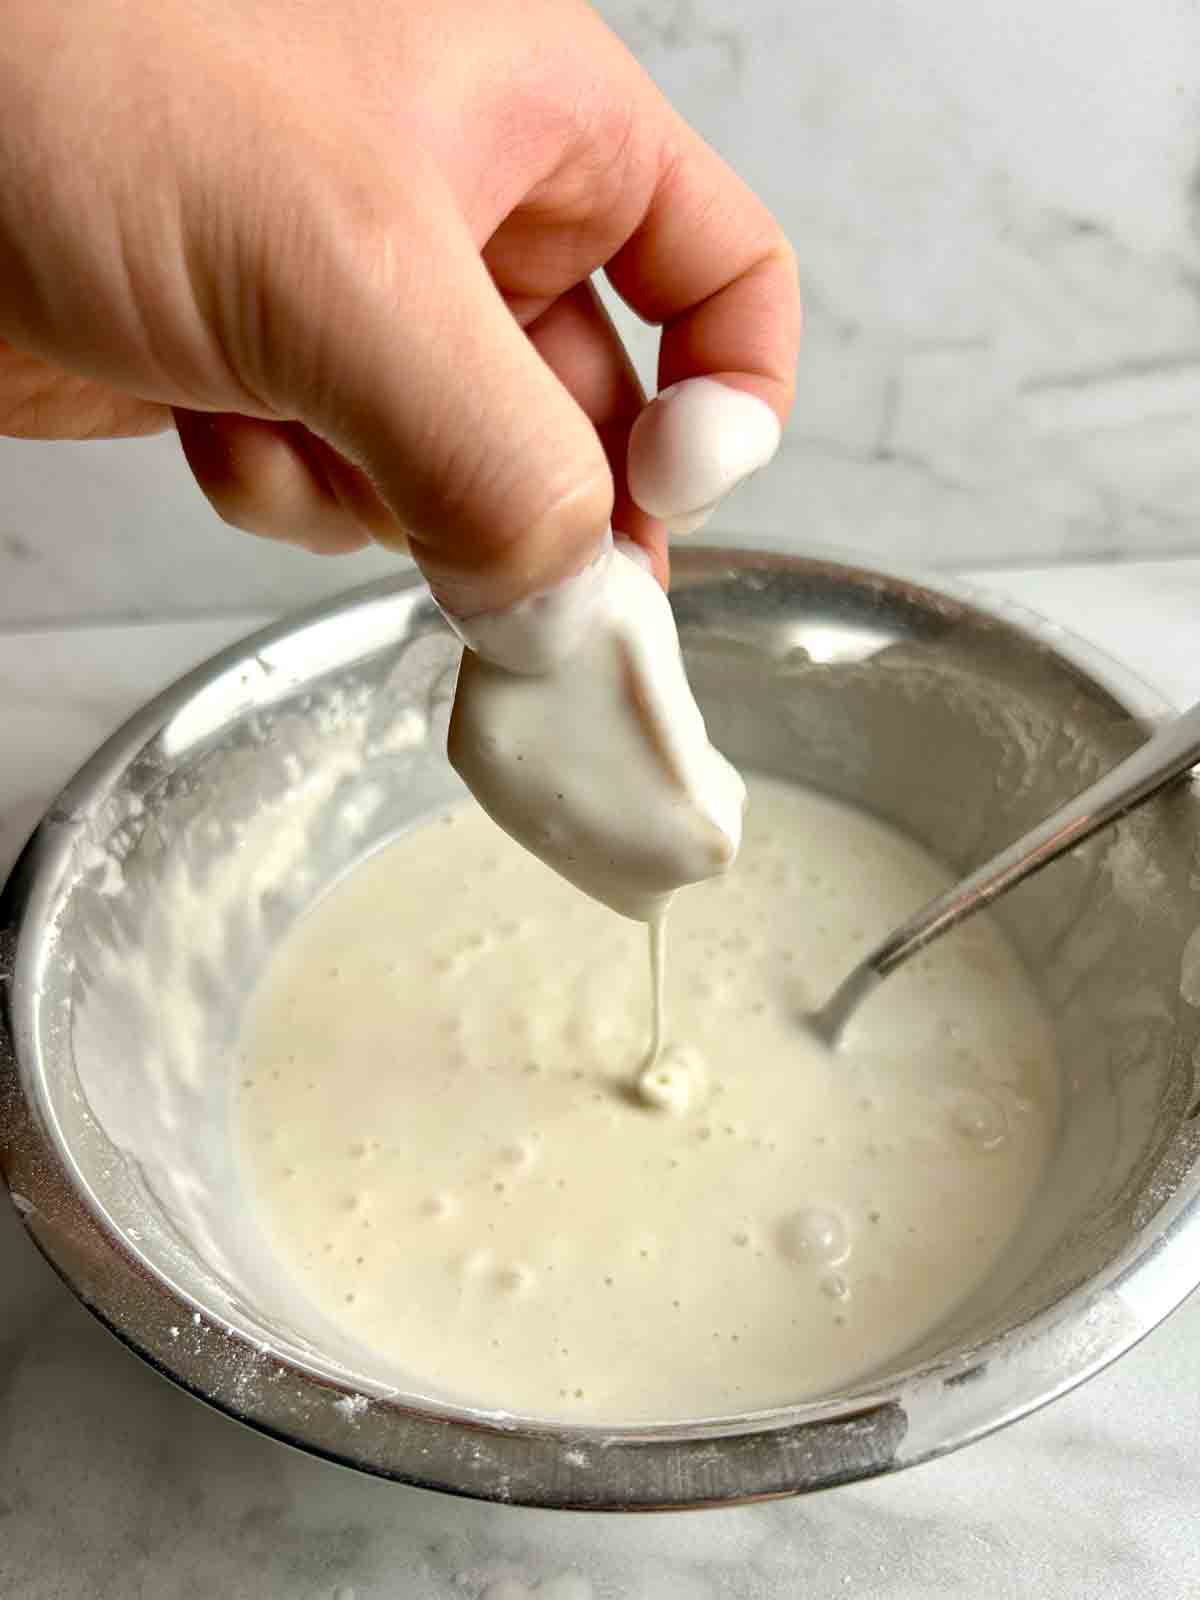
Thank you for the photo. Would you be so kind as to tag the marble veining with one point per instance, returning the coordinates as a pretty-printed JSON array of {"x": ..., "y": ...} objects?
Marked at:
[{"x": 995, "y": 211}]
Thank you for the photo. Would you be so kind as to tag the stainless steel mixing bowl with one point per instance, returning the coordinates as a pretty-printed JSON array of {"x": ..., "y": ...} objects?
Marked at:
[{"x": 147, "y": 901}]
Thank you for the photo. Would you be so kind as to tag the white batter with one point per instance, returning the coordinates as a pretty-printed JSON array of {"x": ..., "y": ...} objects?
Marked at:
[
  {"x": 692, "y": 444},
  {"x": 439, "y": 1127},
  {"x": 574, "y": 725},
  {"x": 600, "y": 764}
]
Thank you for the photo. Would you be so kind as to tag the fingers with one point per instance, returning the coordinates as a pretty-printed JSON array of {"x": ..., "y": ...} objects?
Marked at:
[
  {"x": 690, "y": 447},
  {"x": 710, "y": 264},
  {"x": 578, "y": 342},
  {"x": 278, "y": 481},
  {"x": 38, "y": 401},
  {"x": 500, "y": 448},
  {"x": 490, "y": 463}
]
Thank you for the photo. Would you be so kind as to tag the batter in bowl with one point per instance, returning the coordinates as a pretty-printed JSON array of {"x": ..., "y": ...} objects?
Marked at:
[{"x": 443, "y": 1139}]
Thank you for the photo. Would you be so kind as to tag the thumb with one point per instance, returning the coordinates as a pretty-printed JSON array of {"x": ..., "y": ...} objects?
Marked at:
[{"x": 497, "y": 476}]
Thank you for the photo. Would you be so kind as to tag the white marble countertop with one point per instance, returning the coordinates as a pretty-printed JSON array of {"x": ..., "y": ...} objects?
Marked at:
[{"x": 115, "y": 1486}]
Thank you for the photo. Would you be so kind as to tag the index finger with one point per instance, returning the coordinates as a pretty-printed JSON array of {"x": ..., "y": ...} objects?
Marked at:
[{"x": 710, "y": 264}]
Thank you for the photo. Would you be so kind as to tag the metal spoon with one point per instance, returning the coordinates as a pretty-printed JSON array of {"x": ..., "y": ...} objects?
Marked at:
[{"x": 1173, "y": 750}]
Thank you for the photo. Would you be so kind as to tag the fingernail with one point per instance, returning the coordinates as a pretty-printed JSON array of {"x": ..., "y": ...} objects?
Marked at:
[{"x": 694, "y": 443}]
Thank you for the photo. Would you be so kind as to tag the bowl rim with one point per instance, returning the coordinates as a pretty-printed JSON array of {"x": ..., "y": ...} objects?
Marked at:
[{"x": 879, "y": 1427}]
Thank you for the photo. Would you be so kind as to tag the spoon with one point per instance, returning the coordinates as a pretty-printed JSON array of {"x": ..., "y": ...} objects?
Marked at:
[{"x": 1173, "y": 750}]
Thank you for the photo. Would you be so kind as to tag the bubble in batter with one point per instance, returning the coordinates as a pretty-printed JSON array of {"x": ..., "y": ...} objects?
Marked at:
[{"x": 814, "y": 1234}]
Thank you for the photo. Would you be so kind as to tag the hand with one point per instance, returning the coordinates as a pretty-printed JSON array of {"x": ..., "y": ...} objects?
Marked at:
[{"x": 347, "y": 244}]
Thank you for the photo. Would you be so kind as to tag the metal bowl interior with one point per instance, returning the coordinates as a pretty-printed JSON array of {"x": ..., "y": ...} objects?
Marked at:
[{"x": 143, "y": 910}]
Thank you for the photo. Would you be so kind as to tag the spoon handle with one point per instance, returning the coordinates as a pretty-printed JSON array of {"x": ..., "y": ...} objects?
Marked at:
[{"x": 1171, "y": 751}]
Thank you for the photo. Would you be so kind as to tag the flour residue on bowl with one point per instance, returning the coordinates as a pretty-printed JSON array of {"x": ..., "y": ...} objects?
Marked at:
[
  {"x": 186, "y": 892},
  {"x": 439, "y": 1124}
]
